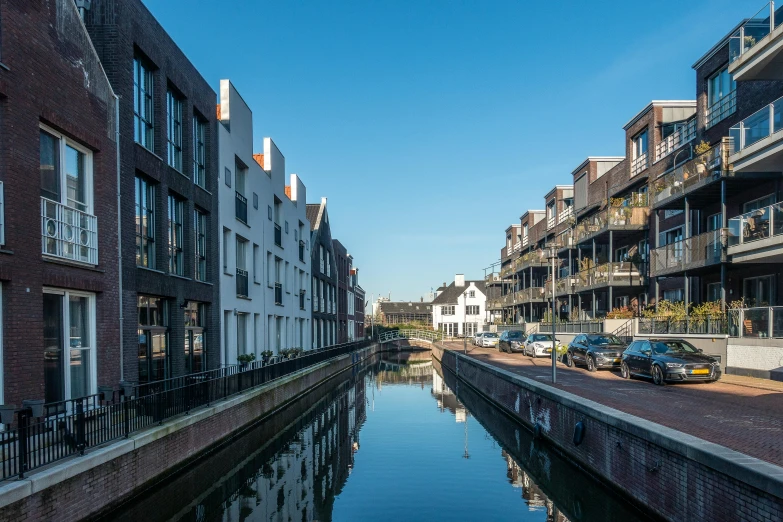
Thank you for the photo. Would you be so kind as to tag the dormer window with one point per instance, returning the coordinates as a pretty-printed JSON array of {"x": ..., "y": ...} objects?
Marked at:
[{"x": 639, "y": 144}]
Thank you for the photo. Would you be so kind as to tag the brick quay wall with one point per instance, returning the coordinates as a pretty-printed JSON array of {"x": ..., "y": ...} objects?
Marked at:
[{"x": 678, "y": 476}]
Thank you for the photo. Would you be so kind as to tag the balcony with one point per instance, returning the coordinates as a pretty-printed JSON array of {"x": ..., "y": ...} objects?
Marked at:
[
  {"x": 675, "y": 140},
  {"x": 242, "y": 282},
  {"x": 68, "y": 233},
  {"x": 494, "y": 278},
  {"x": 757, "y": 236},
  {"x": 757, "y": 143},
  {"x": 517, "y": 247},
  {"x": 551, "y": 222},
  {"x": 278, "y": 236},
  {"x": 630, "y": 214},
  {"x": 524, "y": 241},
  {"x": 758, "y": 322},
  {"x": 695, "y": 177},
  {"x": 530, "y": 259},
  {"x": 534, "y": 294},
  {"x": 610, "y": 274},
  {"x": 240, "y": 208},
  {"x": 690, "y": 254},
  {"x": 564, "y": 216},
  {"x": 722, "y": 109},
  {"x": 639, "y": 165},
  {"x": 755, "y": 48},
  {"x": 279, "y": 294}
]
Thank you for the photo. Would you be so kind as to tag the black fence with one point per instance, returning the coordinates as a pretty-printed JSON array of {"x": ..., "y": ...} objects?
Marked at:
[
  {"x": 59, "y": 430},
  {"x": 688, "y": 325}
]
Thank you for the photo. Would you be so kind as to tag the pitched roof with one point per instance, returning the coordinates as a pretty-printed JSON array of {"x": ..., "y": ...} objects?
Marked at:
[
  {"x": 450, "y": 294},
  {"x": 311, "y": 212},
  {"x": 404, "y": 307}
]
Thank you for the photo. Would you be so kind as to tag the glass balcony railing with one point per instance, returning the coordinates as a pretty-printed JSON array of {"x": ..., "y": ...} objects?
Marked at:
[
  {"x": 630, "y": 214},
  {"x": 68, "y": 233},
  {"x": 756, "y": 224},
  {"x": 529, "y": 295},
  {"x": 722, "y": 109},
  {"x": 639, "y": 164},
  {"x": 622, "y": 273},
  {"x": 706, "y": 167},
  {"x": 676, "y": 140},
  {"x": 762, "y": 321},
  {"x": 759, "y": 125},
  {"x": 753, "y": 30},
  {"x": 689, "y": 253},
  {"x": 534, "y": 258}
]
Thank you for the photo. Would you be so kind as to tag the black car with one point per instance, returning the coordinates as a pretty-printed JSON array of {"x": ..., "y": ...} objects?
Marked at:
[
  {"x": 512, "y": 341},
  {"x": 668, "y": 360},
  {"x": 602, "y": 350}
]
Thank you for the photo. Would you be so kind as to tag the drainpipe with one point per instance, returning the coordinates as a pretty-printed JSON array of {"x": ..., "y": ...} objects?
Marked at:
[{"x": 119, "y": 230}]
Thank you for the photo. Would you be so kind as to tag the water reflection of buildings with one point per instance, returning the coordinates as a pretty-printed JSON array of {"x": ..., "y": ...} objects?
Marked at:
[
  {"x": 446, "y": 398},
  {"x": 404, "y": 368},
  {"x": 534, "y": 497}
]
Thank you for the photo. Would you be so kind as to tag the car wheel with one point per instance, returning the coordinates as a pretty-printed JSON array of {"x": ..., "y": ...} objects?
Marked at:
[
  {"x": 569, "y": 360},
  {"x": 625, "y": 372},
  {"x": 591, "y": 364},
  {"x": 657, "y": 375}
]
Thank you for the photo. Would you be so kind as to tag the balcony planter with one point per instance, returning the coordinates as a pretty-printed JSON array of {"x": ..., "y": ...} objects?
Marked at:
[
  {"x": 245, "y": 358},
  {"x": 36, "y": 405},
  {"x": 107, "y": 392},
  {"x": 7, "y": 413},
  {"x": 126, "y": 387}
]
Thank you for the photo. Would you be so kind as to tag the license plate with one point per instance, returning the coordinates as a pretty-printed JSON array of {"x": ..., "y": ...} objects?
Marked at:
[
  {"x": 548, "y": 351},
  {"x": 617, "y": 360},
  {"x": 702, "y": 371}
]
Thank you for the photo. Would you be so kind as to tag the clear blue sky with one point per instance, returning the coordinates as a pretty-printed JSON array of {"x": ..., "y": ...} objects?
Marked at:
[{"x": 433, "y": 125}]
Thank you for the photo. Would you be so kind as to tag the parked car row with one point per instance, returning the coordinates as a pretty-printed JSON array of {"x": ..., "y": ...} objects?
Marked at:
[{"x": 662, "y": 360}]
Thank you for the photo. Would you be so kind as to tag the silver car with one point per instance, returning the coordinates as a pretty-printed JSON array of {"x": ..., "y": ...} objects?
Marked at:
[
  {"x": 477, "y": 338},
  {"x": 489, "y": 340}
]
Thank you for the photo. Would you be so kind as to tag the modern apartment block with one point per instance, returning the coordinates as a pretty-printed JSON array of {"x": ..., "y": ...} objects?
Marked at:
[
  {"x": 323, "y": 277},
  {"x": 263, "y": 242},
  {"x": 168, "y": 195},
  {"x": 59, "y": 302},
  {"x": 459, "y": 308}
]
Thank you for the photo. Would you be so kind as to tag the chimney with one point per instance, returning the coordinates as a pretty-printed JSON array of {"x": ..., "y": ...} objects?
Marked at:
[
  {"x": 422, "y": 300},
  {"x": 459, "y": 280}
]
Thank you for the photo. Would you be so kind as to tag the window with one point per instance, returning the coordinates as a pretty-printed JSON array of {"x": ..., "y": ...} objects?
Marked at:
[
  {"x": 321, "y": 257},
  {"x": 241, "y": 260},
  {"x": 199, "y": 152},
  {"x": 472, "y": 310},
  {"x": 714, "y": 222},
  {"x": 69, "y": 345},
  {"x": 66, "y": 185},
  {"x": 145, "y": 223},
  {"x": 200, "y": 245},
  {"x": 758, "y": 203},
  {"x": 153, "y": 339},
  {"x": 240, "y": 206},
  {"x": 255, "y": 201},
  {"x": 673, "y": 295},
  {"x": 174, "y": 129},
  {"x": 447, "y": 310},
  {"x": 639, "y": 144},
  {"x": 227, "y": 176},
  {"x": 472, "y": 293},
  {"x": 241, "y": 333},
  {"x": 524, "y": 231},
  {"x": 621, "y": 254},
  {"x": 226, "y": 240},
  {"x": 256, "y": 266},
  {"x": 759, "y": 291},
  {"x": 176, "y": 211},
  {"x": 713, "y": 292},
  {"x": 195, "y": 351},
  {"x": 143, "y": 107},
  {"x": 670, "y": 236},
  {"x": 721, "y": 96}
]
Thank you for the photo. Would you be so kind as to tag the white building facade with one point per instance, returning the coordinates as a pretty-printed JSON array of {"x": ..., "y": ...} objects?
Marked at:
[
  {"x": 263, "y": 242},
  {"x": 459, "y": 308}
]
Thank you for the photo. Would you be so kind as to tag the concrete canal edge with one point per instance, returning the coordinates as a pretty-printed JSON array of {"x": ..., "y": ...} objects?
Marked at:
[
  {"x": 678, "y": 476},
  {"x": 82, "y": 487}
]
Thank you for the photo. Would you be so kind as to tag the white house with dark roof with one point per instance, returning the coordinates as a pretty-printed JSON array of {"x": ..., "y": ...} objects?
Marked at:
[{"x": 460, "y": 308}]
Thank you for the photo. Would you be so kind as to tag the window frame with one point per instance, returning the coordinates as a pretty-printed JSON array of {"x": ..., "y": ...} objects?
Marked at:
[
  {"x": 199, "y": 151},
  {"x": 200, "y": 228},
  {"x": 638, "y": 143},
  {"x": 143, "y": 74},
  {"x": 176, "y": 225},
  {"x": 63, "y": 142},
  {"x": 149, "y": 190},
  {"x": 174, "y": 111}
]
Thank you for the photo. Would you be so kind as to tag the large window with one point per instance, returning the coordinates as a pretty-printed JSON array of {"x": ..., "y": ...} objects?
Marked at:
[
  {"x": 143, "y": 106},
  {"x": 200, "y": 245},
  {"x": 145, "y": 223},
  {"x": 472, "y": 310},
  {"x": 241, "y": 262},
  {"x": 195, "y": 351},
  {"x": 199, "y": 152},
  {"x": 674, "y": 295},
  {"x": 176, "y": 211},
  {"x": 721, "y": 98},
  {"x": 153, "y": 339},
  {"x": 241, "y": 333},
  {"x": 639, "y": 143},
  {"x": 759, "y": 291},
  {"x": 447, "y": 310},
  {"x": 174, "y": 129},
  {"x": 69, "y": 345}
]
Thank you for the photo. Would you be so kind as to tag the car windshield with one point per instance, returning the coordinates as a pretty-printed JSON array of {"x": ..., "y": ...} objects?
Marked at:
[
  {"x": 515, "y": 335},
  {"x": 491, "y": 335},
  {"x": 603, "y": 340},
  {"x": 540, "y": 337},
  {"x": 672, "y": 347}
]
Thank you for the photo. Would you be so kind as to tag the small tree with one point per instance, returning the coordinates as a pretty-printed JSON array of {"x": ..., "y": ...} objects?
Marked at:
[{"x": 622, "y": 312}]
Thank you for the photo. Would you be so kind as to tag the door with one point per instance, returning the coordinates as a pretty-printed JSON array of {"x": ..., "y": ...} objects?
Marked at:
[
  {"x": 632, "y": 358},
  {"x": 644, "y": 359}
]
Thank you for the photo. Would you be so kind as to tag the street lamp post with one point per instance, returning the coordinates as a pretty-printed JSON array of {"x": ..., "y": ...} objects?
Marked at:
[
  {"x": 464, "y": 322},
  {"x": 553, "y": 257}
]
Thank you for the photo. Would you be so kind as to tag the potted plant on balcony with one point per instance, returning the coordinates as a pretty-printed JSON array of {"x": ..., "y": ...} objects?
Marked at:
[
  {"x": 266, "y": 355},
  {"x": 701, "y": 157},
  {"x": 245, "y": 358},
  {"x": 36, "y": 405}
]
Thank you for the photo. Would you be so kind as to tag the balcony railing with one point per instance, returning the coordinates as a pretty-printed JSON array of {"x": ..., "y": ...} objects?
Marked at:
[
  {"x": 564, "y": 240},
  {"x": 722, "y": 109},
  {"x": 524, "y": 241},
  {"x": 278, "y": 235},
  {"x": 751, "y": 32},
  {"x": 692, "y": 252},
  {"x": 763, "y": 321},
  {"x": 622, "y": 273},
  {"x": 494, "y": 277},
  {"x": 551, "y": 222},
  {"x": 759, "y": 125},
  {"x": 535, "y": 258},
  {"x": 278, "y": 293},
  {"x": 68, "y": 233},
  {"x": 639, "y": 164},
  {"x": 705, "y": 168},
  {"x": 241, "y": 282},
  {"x": 756, "y": 224},
  {"x": 240, "y": 209},
  {"x": 675, "y": 140},
  {"x": 688, "y": 325},
  {"x": 517, "y": 247},
  {"x": 626, "y": 216},
  {"x": 565, "y": 214},
  {"x": 529, "y": 295}
]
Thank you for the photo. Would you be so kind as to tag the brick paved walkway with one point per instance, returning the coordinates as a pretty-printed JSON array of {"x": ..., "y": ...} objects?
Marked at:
[{"x": 740, "y": 413}]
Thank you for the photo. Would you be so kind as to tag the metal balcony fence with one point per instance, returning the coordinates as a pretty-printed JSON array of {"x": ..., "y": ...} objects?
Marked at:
[
  {"x": 722, "y": 109},
  {"x": 692, "y": 252},
  {"x": 753, "y": 30},
  {"x": 242, "y": 282},
  {"x": 756, "y": 322},
  {"x": 676, "y": 140},
  {"x": 278, "y": 235},
  {"x": 70, "y": 427},
  {"x": 639, "y": 164},
  {"x": 596, "y": 326},
  {"x": 757, "y": 224},
  {"x": 688, "y": 325},
  {"x": 240, "y": 208},
  {"x": 68, "y": 233}
]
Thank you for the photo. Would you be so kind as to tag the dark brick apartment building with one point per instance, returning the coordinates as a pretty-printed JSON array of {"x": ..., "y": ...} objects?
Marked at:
[
  {"x": 169, "y": 217},
  {"x": 58, "y": 215}
]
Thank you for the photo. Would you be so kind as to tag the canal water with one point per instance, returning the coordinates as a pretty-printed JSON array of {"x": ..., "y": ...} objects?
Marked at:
[{"x": 388, "y": 441}]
